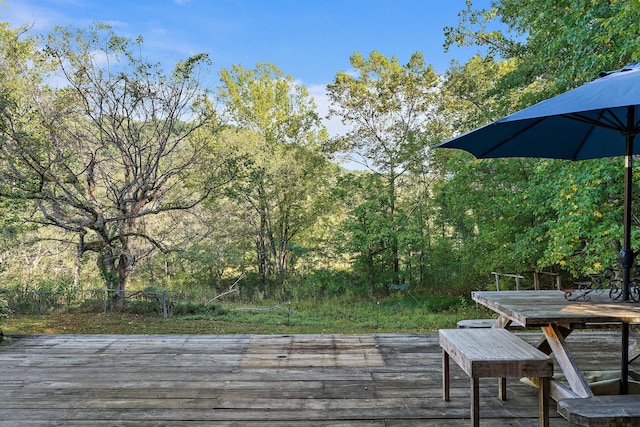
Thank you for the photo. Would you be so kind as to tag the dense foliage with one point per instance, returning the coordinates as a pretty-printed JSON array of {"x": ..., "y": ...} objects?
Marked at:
[
  {"x": 563, "y": 216},
  {"x": 117, "y": 172}
]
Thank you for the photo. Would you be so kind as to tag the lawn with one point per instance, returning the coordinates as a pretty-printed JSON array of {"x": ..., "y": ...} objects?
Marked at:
[{"x": 393, "y": 315}]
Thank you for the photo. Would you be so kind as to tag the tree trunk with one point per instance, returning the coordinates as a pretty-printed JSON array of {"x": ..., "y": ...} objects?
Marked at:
[
  {"x": 76, "y": 273},
  {"x": 371, "y": 266},
  {"x": 395, "y": 259},
  {"x": 115, "y": 270},
  {"x": 261, "y": 248},
  {"x": 421, "y": 256}
]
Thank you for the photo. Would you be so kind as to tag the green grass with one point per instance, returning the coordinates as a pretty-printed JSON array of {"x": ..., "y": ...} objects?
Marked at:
[{"x": 398, "y": 314}]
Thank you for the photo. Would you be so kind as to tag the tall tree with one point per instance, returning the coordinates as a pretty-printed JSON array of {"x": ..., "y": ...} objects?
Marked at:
[
  {"x": 563, "y": 43},
  {"x": 386, "y": 106},
  {"x": 280, "y": 134},
  {"x": 17, "y": 50},
  {"x": 483, "y": 206},
  {"x": 553, "y": 46},
  {"x": 365, "y": 231},
  {"x": 111, "y": 144}
]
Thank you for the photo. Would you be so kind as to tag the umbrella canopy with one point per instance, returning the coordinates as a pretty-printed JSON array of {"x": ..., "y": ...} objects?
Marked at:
[
  {"x": 588, "y": 122},
  {"x": 598, "y": 119}
]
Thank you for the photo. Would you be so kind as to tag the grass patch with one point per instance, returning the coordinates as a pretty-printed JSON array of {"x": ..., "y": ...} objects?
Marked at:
[
  {"x": 197, "y": 309},
  {"x": 398, "y": 314}
]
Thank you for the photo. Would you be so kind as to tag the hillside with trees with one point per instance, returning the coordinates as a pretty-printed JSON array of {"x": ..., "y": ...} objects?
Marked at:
[{"x": 124, "y": 174}]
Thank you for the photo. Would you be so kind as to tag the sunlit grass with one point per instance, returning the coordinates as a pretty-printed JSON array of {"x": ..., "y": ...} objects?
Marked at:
[{"x": 400, "y": 314}]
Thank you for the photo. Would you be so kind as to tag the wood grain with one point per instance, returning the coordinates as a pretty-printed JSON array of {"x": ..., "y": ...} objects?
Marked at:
[{"x": 200, "y": 380}]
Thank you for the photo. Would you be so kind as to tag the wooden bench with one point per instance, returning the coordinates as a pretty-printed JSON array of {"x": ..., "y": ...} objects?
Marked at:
[
  {"x": 483, "y": 323},
  {"x": 495, "y": 353},
  {"x": 602, "y": 410},
  {"x": 476, "y": 323}
]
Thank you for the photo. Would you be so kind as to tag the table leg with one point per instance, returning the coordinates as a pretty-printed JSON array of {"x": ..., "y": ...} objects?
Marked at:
[
  {"x": 475, "y": 402},
  {"x": 566, "y": 361},
  {"x": 502, "y": 388},
  {"x": 445, "y": 376},
  {"x": 634, "y": 350},
  {"x": 502, "y": 322},
  {"x": 543, "y": 402},
  {"x": 624, "y": 371},
  {"x": 543, "y": 344}
]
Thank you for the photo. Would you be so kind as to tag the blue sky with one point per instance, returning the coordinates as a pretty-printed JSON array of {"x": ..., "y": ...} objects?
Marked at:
[{"x": 309, "y": 39}]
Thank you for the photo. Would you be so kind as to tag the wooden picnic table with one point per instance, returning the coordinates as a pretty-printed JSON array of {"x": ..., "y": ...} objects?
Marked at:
[{"x": 558, "y": 317}]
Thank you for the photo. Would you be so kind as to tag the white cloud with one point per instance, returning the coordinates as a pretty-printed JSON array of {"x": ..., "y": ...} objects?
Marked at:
[
  {"x": 334, "y": 124},
  {"x": 43, "y": 19},
  {"x": 38, "y": 18},
  {"x": 335, "y": 127},
  {"x": 117, "y": 24}
]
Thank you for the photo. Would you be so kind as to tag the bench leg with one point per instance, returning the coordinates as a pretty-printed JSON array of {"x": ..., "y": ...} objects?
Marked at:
[
  {"x": 502, "y": 388},
  {"x": 543, "y": 401},
  {"x": 445, "y": 376},
  {"x": 475, "y": 402}
]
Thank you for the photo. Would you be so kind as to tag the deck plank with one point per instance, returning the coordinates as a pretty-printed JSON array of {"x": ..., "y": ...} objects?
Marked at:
[{"x": 240, "y": 380}]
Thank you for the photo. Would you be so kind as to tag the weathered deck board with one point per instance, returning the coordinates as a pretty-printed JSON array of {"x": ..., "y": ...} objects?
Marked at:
[{"x": 244, "y": 380}]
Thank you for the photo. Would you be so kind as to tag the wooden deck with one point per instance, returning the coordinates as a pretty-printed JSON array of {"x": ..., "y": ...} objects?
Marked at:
[{"x": 245, "y": 380}]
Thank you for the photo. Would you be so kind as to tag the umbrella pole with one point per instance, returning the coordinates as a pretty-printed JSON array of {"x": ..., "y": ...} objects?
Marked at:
[
  {"x": 626, "y": 259},
  {"x": 627, "y": 256}
]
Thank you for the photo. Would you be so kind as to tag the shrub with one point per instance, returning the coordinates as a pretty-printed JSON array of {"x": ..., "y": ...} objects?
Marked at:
[
  {"x": 145, "y": 307},
  {"x": 4, "y": 311},
  {"x": 321, "y": 284},
  {"x": 189, "y": 308}
]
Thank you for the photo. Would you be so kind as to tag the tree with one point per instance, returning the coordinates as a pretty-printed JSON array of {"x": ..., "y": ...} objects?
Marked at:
[
  {"x": 386, "y": 107},
  {"x": 550, "y": 47},
  {"x": 561, "y": 43},
  {"x": 578, "y": 213},
  {"x": 280, "y": 134},
  {"x": 16, "y": 51},
  {"x": 485, "y": 206},
  {"x": 482, "y": 206},
  {"x": 112, "y": 145},
  {"x": 470, "y": 96},
  {"x": 365, "y": 231}
]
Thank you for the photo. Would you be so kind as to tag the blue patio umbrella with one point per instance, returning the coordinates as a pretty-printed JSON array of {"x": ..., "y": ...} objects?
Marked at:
[{"x": 598, "y": 119}]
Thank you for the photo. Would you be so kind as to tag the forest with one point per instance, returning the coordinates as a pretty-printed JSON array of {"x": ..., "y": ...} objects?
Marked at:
[{"x": 124, "y": 174}]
